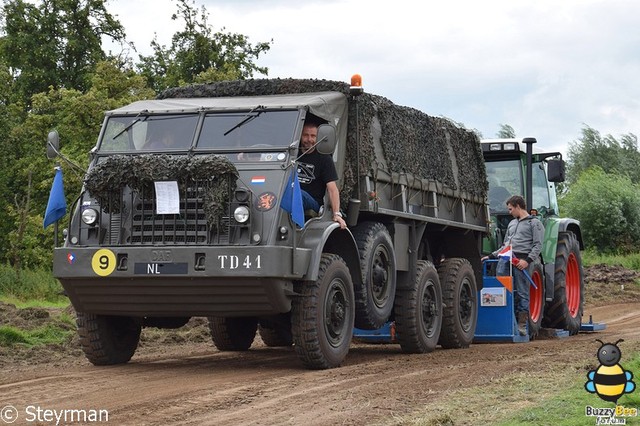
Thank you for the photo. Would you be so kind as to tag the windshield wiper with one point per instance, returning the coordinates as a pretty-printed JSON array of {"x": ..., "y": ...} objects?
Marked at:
[
  {"x": 126, "y": 129},
  {"x": 247, "y": 118}
]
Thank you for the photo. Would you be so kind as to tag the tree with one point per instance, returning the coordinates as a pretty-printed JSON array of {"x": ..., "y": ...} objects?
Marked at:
[
  {"x": 77, "y": 116},
  {"x": 612, "y": 156},
  {"x": 506, "y": 132},
  {"x": 608, "y": 208},
  {"x": 198, "y": 54},
  {"x": 55, "y": 43}
]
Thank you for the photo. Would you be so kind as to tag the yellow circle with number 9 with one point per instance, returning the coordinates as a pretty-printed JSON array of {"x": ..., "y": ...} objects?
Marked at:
[{"x": 103, "y": 262}]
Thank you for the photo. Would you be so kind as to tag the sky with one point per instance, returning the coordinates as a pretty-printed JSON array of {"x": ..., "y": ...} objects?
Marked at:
[{"x": 547, "y": 68}]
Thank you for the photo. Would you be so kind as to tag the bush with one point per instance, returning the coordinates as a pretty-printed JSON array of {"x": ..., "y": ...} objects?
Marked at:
[{"x": 608, "y": 208}]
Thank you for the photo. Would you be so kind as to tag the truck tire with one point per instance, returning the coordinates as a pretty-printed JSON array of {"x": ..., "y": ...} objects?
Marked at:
[
  {"x": 536, "y": 300},
  {"x": 108, "y": 340},
  {"x": 374, "y": 299},
  {"x": 565, "y": 311},
  {"x": 276, "y": 333},
  {"x": 418, "y": 311},
  {"x": 459, "y": 303},
  {"x": 322, "y": 317},
  {"x": 233, "y": 334}
]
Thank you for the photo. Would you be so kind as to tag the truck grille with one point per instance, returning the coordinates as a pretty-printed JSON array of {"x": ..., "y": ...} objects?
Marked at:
[
  {"x": 188, "y": 227},
  {"x": 136, "y": 221}
]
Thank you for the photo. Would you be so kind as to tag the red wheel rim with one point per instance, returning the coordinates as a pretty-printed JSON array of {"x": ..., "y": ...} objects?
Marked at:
[
  {"x": 535, "y": 297},
  {"x": 573, "y": 285}
]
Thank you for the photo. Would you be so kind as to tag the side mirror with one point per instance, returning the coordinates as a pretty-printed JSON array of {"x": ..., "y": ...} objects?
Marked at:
[
  {"x": 326, "y": 143},
  {"x": 555, "y": 170},
  {"x": 53, "y": 144}
]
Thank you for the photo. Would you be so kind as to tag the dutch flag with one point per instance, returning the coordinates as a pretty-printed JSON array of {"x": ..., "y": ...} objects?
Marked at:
[{"x": 506, "y": 253}]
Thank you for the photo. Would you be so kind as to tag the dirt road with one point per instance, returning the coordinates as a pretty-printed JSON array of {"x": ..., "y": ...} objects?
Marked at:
[{"x": 191, "y": 383}]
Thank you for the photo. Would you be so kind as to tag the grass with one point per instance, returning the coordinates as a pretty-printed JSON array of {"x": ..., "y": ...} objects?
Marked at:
[
  {"x": 557, "y": 397},
  {"x": 30, "y": 285},
  {"x": 44, "y": 335},
  {"x": 629, "y": 261}
]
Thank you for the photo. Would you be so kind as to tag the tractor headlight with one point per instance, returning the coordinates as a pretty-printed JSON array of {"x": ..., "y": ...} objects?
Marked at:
[
  {"x": 89, "y": 216},
  {"x": 241, "y": 214}
]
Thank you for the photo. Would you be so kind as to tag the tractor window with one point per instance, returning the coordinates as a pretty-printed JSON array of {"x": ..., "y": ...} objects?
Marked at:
[
  {"x": 540, "y": 188},
  {"x": 505, "y": 180}
]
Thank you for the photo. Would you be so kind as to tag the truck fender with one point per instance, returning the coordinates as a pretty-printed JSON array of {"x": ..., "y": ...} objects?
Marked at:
[{"x": 327, "y": 237}]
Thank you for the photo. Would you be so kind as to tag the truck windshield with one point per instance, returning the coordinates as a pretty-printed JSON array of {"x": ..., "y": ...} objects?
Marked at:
[
  {"x": 259, "y": 130},
  {"x": 149, "y": 133}
]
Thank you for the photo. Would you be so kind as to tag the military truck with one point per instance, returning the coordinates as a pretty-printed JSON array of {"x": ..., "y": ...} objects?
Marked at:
[
  {"x": 181, "y": 215},
  {"x": 516, "y": 167}
]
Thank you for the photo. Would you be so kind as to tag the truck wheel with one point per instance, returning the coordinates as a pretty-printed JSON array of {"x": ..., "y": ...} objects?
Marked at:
[
  {"x": 233, "y": 334},
  {"x": 565, "y": 311},
  {"x": 536, "y": 300},
  {"x": 322, "y": 316},
  {"x": 275, "y": 332},
  {"x": 374, "y": 300},
  {"x": 108, "y": 340},
  {"x": 459, "y": 303},
  {"x": 418, "y": 311}
]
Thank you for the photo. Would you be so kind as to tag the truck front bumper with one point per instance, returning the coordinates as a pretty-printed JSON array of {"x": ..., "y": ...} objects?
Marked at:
[{"x": 180, "y": 281}]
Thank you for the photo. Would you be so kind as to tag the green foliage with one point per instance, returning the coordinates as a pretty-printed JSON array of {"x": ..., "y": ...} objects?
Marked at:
[
  {"x": 198, "y": 54},
  {"x": 608, "y": 208},
  {"x": 29, "y": 284},
  {"x": 55, "y": 43},
  {"x": 614, "y": 156}
]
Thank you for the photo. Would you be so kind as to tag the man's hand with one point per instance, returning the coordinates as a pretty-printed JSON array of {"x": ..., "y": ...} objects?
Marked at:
[
  {"x": 340, "y": 220},
  {"x": 522, "y": 264}
]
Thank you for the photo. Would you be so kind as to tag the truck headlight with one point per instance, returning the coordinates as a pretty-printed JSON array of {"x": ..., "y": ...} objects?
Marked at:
[
  {"x": 89, "y": 216},
  {"x": 241, "y": 214}
]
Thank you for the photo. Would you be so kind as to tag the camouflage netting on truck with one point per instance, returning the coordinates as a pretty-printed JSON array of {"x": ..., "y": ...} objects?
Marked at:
[
  {"x": 431, "y": 148},
  {"x": 106, "y": 180}
]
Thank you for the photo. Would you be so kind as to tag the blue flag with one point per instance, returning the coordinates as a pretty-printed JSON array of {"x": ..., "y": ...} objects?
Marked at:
[
  {"x": 292, "y": 199},
  {"x": 57, "y": 205}
]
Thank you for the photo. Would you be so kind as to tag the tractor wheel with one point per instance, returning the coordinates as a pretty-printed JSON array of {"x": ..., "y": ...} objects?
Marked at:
[
  {"x": 233, "y": 334},
  {"x": 459, "y": 303},
  {"x": 108, "y": 340},
  {"x": 374, "y": 300},
  {"x": 276, "y": 332},
  {"x": 536, "y": 300},
  {"x": 565, "y": 311},
  {"x": 322, "y": 317},
  {"x": 418, "y": 311}
]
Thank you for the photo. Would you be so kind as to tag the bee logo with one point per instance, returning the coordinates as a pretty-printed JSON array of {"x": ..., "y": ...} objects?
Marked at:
[{"x": 610, "y": 381}]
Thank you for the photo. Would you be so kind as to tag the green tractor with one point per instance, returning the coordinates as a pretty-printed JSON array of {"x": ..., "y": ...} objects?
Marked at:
[{"x": 515, "y": 168}]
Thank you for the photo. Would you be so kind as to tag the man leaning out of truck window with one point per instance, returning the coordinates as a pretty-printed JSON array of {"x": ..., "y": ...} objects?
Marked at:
[{"x": 317, "y": 175}]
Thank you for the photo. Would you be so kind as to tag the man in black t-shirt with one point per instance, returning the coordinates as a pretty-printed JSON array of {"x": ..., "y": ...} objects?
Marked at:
[{"x": 317, "y": 174}]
